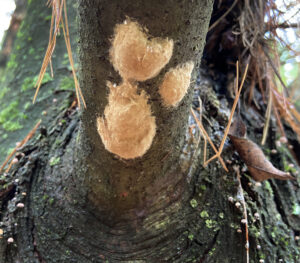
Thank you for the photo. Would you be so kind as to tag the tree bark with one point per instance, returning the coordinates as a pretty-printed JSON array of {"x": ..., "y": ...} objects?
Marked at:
[{"x": 84, "y": 204}]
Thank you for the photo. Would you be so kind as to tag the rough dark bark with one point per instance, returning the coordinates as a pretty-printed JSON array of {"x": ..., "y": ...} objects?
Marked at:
[{"x": 183, "y": 215}]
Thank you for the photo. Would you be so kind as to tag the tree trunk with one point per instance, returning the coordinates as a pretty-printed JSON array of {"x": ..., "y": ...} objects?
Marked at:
[
  {"x": 83, "y": 203},
  {"x": 160, "y": 166}
]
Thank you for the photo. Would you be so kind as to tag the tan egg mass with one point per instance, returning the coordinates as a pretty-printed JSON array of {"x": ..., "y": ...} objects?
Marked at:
[
  {"x": 136, "y": 57},
  {"x": 128, "y": 127},
  {"x": 176, "y": 83}
]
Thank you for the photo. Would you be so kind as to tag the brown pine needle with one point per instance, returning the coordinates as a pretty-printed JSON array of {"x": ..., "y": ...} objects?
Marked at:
[
  {"x": 218, "y": 153},
  {"x": 68, "y": 45},
  {"x": 9, "y": 166},
  {"x": 279, "y": 123},
  {"x": 204, "y": 137},
  {"x": 205, "y": 148},
  {"x": 57, "y": 7},
  {"x": 208, "y": 138},
  {"x": 51, "y": 44},
  {"x": 24, "y": 141},
  {"x": 268, "y": 116}
]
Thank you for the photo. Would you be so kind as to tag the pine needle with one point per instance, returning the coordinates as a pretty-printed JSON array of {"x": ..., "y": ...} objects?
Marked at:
[
  {"x": 56, "y": 19},
  {"x": 208, "y": 138},
  {"x": 68, "y": 45},
  {"x": 51, "y": 45},
  {"x": 237, "y": 96},
  {"x": 268, "y": 116}
]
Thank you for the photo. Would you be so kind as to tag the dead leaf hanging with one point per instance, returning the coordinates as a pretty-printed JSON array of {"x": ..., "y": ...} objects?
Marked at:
[{"x": 258, "y": 165}]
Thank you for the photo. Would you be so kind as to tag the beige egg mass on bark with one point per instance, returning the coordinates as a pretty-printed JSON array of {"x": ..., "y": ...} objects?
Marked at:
[
  {"x": 176, "y": 83},
  {"x": 135, "y": 56},
  {"x": 128, "y": 127}
]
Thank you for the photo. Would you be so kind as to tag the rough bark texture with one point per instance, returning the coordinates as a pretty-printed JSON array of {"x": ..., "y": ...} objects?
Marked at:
[{"x": 182, "y": 215}]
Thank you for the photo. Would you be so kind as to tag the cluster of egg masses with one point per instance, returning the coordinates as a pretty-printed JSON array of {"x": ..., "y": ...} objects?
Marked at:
[{"x": 128, "y": 127}]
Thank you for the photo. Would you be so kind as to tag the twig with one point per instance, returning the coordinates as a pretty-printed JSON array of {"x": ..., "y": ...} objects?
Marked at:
[
  {"x": 218, "y": 153},
  {"x": 204, "y": 137},
  {"x": 9, "y": 166},
  {"x": 276, "y": 72},
  {"x": 208, "y": 138},
  {"x": 224, "y": 15},
  {"x": 285, "y": 26},
  {"x": 268, "y": 116}
]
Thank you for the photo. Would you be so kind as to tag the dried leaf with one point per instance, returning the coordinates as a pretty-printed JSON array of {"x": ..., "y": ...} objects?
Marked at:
[{"x": 258, "y": 165}]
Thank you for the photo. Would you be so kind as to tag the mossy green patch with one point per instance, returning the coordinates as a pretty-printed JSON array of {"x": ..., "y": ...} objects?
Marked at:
[
  {"x": 162, "y": 224},
  {"x": 30, "y": 82},
  {"x": 9, "y": 151},
  {"x": 211, "y": 224},
  {"x": 204, "y": 214},
  {"x": 67, "y": 83},
  {"x": 20, "y": 33},
  {"x": 3, "y": 91},
  {"x": 31, "y": 51},
  {"x": 211, "y": 252},
  {"x": 66, "y": 60},
  {"x": 51, "y": 201},
  {"x": 296, "y": 209},
  {"x": 12, "y": 126},
  {"x": 268, "y": 187},
  {"x": 193, "y": 203},
  {"x": 54, "y": 161},
  {"x": 288, "y": 167},
  {"x": 203, "y": 187},
  {"x": 191, "y": 237},
  {"x": 48, "y": 18},
  {"x": 27, "y": 105},
  {"x": 10, "y": 117},
  {"x": 11, "y": 64}
]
